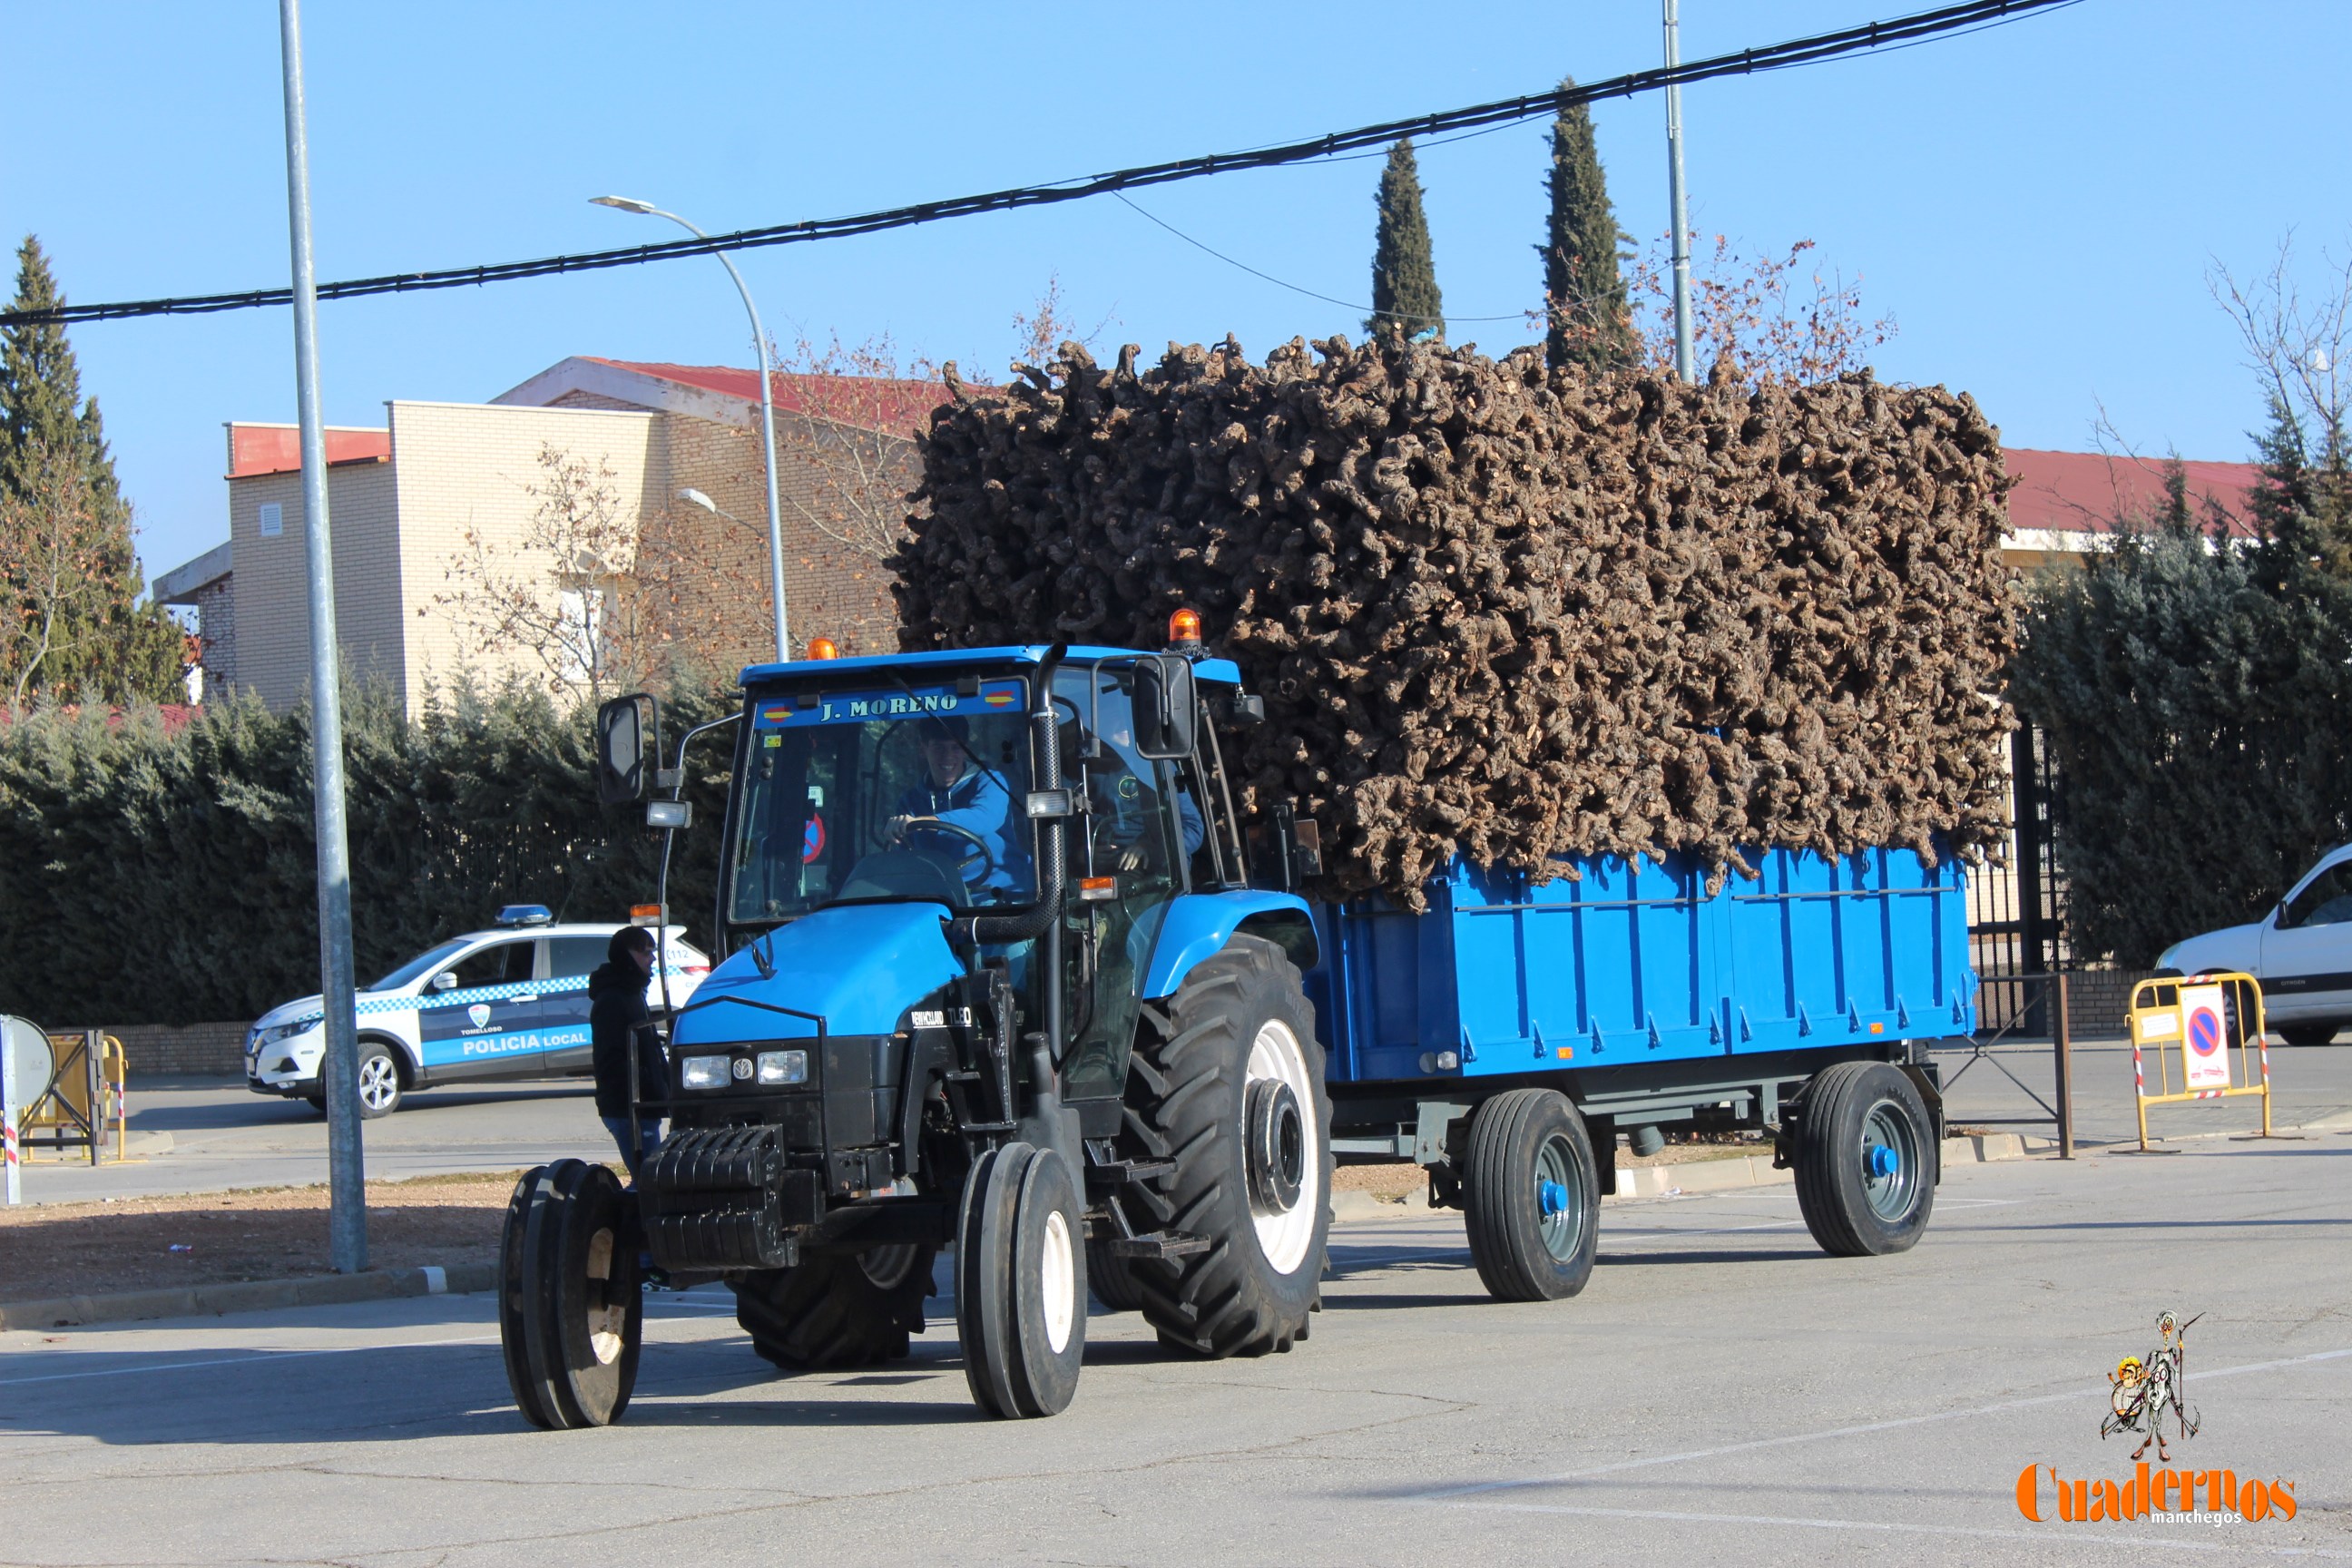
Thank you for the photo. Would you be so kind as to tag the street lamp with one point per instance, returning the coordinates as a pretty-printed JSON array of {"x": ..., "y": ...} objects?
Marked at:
[
  {"x": 767, "y": 417},
  {"x": 693, "y": 497}
]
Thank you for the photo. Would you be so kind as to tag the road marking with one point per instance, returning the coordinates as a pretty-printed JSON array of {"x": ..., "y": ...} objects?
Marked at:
[
  {"x": 1868, "y": 1427},
  {"x": 2046, "y": 1538}
]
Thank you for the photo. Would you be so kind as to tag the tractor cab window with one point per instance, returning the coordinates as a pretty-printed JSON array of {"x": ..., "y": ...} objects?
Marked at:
[{"x": 908, "y": 793}]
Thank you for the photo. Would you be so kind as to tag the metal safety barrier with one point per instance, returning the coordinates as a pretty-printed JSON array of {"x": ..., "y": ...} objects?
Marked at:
[
  {"x": 2016, "y": 1008},
  {"x": 2199, "y": 1018}
]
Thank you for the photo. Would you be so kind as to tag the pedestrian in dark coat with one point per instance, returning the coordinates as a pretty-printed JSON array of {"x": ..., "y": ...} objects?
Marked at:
[{"x": 617, "y": 1010}]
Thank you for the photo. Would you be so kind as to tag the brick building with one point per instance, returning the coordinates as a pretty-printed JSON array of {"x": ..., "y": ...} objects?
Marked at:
[{"x": 420, "y": 504}]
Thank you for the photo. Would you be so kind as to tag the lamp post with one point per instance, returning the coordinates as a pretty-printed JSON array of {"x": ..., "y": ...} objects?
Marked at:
[{"x": 767, "y": 415}]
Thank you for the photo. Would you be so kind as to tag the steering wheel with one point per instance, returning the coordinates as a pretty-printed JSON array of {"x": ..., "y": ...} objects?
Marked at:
[{"x": 979, "y": 853}]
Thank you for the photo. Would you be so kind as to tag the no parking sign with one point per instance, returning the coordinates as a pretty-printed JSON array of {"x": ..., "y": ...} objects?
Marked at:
[{"x": 2206, "y": 1037}]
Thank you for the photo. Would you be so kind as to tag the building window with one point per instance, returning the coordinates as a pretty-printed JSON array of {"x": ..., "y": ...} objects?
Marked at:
[{"x": 273, "y": 519}]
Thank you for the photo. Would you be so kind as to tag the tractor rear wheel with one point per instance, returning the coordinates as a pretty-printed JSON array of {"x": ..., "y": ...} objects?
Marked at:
[
  {"x": 1112, "y": 1279},
  {"x": 1865, "y": 1160},
  {"x": 1227, "y": 1081},
  {"x": 837, "y": 1310},
  {"x": 570, "y": 1303}
]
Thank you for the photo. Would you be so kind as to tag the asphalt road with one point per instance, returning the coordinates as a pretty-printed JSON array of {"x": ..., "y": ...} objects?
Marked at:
[
  {"x": 224, "y": 1135},
  {"x": 1721, "y": 1392}
]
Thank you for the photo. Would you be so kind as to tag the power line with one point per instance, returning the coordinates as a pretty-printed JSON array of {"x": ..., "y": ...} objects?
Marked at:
[
  {"x": 1920, "y": 26},
  {"x": 1296, "y": 289}
]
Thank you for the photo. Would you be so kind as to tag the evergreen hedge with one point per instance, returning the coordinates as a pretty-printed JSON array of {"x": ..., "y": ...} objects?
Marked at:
[
  {"x": 2196, "y": 693},
  {"x": 156, "y": 875}
]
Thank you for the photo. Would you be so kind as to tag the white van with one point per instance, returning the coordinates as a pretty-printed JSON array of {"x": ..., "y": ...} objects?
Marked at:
[{"x": 2300, "y": 951}]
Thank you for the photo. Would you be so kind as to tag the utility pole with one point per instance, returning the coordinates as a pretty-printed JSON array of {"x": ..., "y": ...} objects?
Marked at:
[
  {"x": 1686, "y": 370},
  {"x": 347, "y": 1186}
]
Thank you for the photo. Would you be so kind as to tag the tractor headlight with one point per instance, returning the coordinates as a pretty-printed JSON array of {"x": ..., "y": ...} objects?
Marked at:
[
  {"x": 703, "y": 1072},
  {"x": 783, "y": 1067}
]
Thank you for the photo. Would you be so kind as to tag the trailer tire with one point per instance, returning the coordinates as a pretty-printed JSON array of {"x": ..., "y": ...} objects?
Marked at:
[
  {"x": 837, "y": 1310},
  {"x": 1531, "y": 1198},
  {"x": 1865, "y": 1160},
  {"x": 1020, "y": 1282},
  {"x": 570, "y": 1303},
  {"x": 1227, "y": 1081}
]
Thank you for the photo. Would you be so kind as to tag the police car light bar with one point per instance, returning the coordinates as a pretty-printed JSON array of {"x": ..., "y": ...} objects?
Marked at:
[{"x": 525, "y": 915}]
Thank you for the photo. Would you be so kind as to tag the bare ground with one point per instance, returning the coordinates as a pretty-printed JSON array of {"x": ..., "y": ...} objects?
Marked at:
[{"x": 268, "y": 1233}]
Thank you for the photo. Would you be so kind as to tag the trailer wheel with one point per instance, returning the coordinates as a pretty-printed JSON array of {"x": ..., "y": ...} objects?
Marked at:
[
  {"x": 571, "y": 1304},
  {"x": 1865, "y": 1160},
  {"x": 1228, "y": 1083},
  {"x": 1020, "y": 1282},
  {"x": 1112, "y": 1279},
  {"x": 837, "y": 1309},
  {"x": 1531, "y": 1198}
]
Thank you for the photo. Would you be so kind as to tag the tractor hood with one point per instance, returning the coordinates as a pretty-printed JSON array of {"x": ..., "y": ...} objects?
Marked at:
[{"x": 859, "y": 966}]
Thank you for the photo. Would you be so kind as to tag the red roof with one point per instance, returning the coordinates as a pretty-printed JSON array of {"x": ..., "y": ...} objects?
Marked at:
[
  {"x": 866, "y": 401},
  {"x": 2081, "y": 492},
  {"x": 277, "y": 449}
]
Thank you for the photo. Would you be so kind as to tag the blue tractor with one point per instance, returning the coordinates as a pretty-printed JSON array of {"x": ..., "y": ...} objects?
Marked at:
[{"x": 1007, "y": 972}]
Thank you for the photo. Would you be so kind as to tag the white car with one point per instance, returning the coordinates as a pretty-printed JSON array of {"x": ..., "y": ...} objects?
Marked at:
[
  {"x": 490, "y": 1006},
  {"x": 2300, "y": 951}
]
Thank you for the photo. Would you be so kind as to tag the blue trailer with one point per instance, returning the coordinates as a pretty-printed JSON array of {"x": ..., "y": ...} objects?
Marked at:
[{"x": 1007, "y": 970}]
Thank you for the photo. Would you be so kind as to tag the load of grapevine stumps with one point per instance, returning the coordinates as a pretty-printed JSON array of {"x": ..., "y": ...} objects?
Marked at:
[{"x": 1508, "y": 613}]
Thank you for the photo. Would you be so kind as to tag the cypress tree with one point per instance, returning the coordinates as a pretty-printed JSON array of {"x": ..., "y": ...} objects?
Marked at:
[
  {"x": 1404, "y": 277},
  {"x": 1588, "y": 322},
  {"x": 53, "y": 464}
]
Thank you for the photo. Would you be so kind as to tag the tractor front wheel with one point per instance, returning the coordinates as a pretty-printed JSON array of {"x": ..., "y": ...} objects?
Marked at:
[{"x": 571, "y": 1304}]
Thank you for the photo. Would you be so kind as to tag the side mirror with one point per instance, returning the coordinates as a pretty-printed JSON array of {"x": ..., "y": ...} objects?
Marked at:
[
  {"x": 621, "y": 727},
  {"x": 446, "y": 981},
  {"x": 1166, "y": 708}
]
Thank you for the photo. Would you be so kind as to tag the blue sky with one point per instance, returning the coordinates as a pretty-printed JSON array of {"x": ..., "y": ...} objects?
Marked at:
[{"x": 2038, "y": 206}]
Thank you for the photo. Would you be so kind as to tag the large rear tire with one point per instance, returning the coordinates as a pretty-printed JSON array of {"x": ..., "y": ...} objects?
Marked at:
[
  {"x": 571, "y": 1304},
  {"x": 837, "y": 1309},
  {"x": 1227, "y": 1083},
  {"x": 1865, "y": 1160},
  {"x": 1531, "y": 1198},
  {"x": 1020, "y": 1282}
]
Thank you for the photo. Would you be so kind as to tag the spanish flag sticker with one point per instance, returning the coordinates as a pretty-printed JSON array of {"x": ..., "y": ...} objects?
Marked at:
[
  {"x": 775, "y": 715},
  {"x": 1001, "y": 696}
]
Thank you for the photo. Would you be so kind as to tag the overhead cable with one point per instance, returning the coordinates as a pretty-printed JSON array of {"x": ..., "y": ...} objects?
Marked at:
[{"x": 1972, "y": 15}]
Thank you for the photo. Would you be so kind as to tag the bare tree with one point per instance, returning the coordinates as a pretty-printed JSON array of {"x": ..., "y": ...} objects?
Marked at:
[
  {"x": 1770, "y": 315},
  {"x": 592, "y": 597},
  {"x": 2295, "y": 343}
]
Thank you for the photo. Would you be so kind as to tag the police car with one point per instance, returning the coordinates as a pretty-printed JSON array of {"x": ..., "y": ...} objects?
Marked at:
[
  {"x": 491, "y": 1006},
  {"x": 2300, "y": 951}
]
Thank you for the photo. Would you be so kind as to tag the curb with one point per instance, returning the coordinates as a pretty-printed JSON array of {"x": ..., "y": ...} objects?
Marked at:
[
  {"x": 1637, "y": 1184},
  {"x": 248, "y": 1296}
]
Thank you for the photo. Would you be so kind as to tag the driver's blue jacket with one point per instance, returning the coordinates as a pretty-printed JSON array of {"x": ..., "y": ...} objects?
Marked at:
[{"x": 978, "y": 803}]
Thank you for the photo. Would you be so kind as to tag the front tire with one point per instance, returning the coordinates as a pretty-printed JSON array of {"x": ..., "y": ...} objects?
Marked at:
[
  {"x": 1532, "y": 1200},
  {"x": 1227, "y": 1081},
  {"x": 380, "y": 1089},
  {"x": 837, "y": 1310},
  {"x": 2308, "y": 1033},
  {"x": 1865, "y": 1160},
  {"x": 571, "y": 1304},
  {"x": 1020, "y": 1282}
]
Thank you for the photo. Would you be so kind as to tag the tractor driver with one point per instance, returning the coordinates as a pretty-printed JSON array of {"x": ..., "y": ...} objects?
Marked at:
[{"x": 956, "y": 791}]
